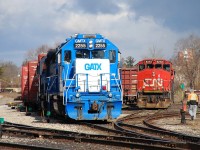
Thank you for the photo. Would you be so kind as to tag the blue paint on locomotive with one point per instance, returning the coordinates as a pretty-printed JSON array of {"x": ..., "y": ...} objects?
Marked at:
[{"x": 85, "y": 72}]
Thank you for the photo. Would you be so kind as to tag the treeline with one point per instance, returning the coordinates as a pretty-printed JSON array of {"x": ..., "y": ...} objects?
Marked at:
[{"x": 9, "y": 75}]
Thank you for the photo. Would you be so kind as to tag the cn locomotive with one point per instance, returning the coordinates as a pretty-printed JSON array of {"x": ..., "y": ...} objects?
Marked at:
[
  {"x": 150, "y": 84},
  {"x": 80, "y": 79}
]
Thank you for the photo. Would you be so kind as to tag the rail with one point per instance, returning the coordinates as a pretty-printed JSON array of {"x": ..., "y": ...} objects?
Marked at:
[{"x": 119, "y": 139}]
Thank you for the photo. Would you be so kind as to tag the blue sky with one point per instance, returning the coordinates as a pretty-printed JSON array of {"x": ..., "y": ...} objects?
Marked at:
[{"x": 135, "y": 26}]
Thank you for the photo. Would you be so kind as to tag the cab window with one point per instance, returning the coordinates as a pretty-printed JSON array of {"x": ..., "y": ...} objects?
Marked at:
[
  {"x": 166, "y": 67},
  {"x": 98, "y": 54},
  {"x": 158, "y": 66},
  {"x": 141, "y": 67},
  {"x": 150, "y": 66},
  {"x": 112, "y": 56},
  {"x": 82, "y": 54},
  {"x": 67, "y": 56}
]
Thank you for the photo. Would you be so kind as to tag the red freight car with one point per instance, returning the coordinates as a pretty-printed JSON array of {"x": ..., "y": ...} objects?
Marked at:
[
  {"x": 24, "y": 82},
  {"x": 40, "y": 56},
  {"x": 33, "y": 81},
  {"x": 29, "y": 84},
  {"x": 129, "y": 84}
]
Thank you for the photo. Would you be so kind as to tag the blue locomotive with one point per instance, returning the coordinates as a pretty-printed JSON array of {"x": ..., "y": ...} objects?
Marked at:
[{"x": 81, "y": 79}]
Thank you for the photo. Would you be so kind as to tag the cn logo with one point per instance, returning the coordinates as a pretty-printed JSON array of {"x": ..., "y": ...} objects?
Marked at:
[{"x": 153, "y": 82}]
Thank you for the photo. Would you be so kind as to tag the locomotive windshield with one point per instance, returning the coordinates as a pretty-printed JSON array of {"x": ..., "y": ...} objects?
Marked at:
[
  {"x": 98, "y": 54},
  {"x": 150, "y": 66},
  {"x": 158, "y": 66},
  {"x": 86, "y": 54},
  {"x": 82, "y": 54},
  {"x": 166, "y": 67}
]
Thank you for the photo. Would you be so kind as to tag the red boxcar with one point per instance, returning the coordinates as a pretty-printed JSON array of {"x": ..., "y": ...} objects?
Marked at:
[
  {"x": 40, "y": 56},
  {"x": 30, "y": 82},
  {"x": 33, "y": 81},
  {"x": 129, "y": 84},
  {"x": 24, "y": 82}
]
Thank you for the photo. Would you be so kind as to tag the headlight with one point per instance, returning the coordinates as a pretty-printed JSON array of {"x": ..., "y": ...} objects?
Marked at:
[
  {"x": 110, "y": 95},
  {"x": 90, "y": 45},
  {"x": 77, "y": 95}
]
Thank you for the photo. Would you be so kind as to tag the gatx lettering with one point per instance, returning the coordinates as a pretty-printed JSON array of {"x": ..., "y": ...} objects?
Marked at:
[
  {"x": 79, "y": 40},
  {"x": 93, "y": 66}
]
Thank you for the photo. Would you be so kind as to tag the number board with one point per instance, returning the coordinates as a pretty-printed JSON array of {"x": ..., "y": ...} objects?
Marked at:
[
  {"x": 148, "y": 61},
  {"x": 159, "y": 61},
  {"x": 80, "y": 45},
  {"x": 100, "y": 45}
]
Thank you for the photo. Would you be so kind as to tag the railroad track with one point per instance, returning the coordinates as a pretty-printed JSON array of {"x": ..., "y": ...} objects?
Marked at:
[
  {"x": 117, "y": 134},
  {"x": 125, "y": 140},
  {"x": 10, "y": 146},
  {"x": 149, "y": 122},
  {"x": 153, "y": 131}
]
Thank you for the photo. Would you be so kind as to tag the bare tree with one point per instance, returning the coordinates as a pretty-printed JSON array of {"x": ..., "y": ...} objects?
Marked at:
[
  {"x": 154, "y": 52},
  {"x": 1, "y": 71},
  {"x": 129, "y": 61},
  {"x": 33, "y": 54},
  {"x": 122, "y": 63},
  {"x": 187, "y": 62}
]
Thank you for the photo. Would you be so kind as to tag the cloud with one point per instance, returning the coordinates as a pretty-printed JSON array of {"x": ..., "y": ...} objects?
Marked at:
[
  {"x": 179, "y": 15},
  {"x": 134, "y": 35}
]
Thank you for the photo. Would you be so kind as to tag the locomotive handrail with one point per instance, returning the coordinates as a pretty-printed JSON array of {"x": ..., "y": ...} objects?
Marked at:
[
  {"x": 117, "y": 83},
  {"x": 65, "y": 99},
  {"x": 75, "y": 75},
  {"x": 52, "y": 82}
]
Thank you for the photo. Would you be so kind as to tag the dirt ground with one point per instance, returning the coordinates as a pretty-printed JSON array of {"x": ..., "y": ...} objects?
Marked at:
[
  {"x": 10, "y": 94},
  {"x": 8, "y": 97},
  {"x": 191, "y": 127}
]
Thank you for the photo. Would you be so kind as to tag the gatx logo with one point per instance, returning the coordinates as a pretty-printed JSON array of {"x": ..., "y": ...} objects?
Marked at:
[{"x": 93, "y": 66}]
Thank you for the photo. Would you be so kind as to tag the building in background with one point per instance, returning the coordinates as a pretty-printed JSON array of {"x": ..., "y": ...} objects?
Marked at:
[{"x": 186, "y": 54}]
